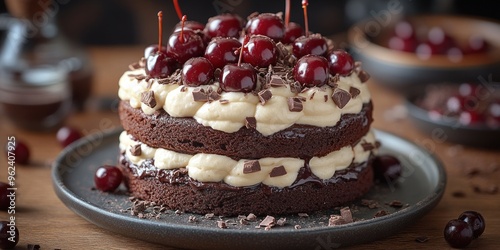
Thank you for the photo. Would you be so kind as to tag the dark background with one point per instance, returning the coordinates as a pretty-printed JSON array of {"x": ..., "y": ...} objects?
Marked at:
[{"x": 122, "y": 22}]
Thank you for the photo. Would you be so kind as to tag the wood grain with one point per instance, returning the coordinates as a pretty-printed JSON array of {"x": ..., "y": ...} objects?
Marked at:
[{"x": 43, "y": 219}]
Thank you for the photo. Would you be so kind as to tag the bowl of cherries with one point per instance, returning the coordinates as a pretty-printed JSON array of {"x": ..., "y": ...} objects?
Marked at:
[
  {"x": 410, "y": 52},
  {"x": 466, "y": 113}
]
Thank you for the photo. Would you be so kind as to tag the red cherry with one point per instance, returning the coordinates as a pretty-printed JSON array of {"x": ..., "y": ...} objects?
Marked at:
[
  {"x": 387, "y": 168},
  {"x": 439, "y": 40},
  {"x": 266, "y": 24},
  {"x": 221, "y": 51},
  {"x": 476, "y": 44},
  {"x": 152, "y": 49},
  {"x": 458, "y": 233},
  {"x": 238, "y": 78},
  {"x": 400, "y": 44},
  {"x": 292, "y": 32},
  {"x": 159, "y": 65},
  {"x": 313, "y": 45},
  {"x": 455, "y": 54},
  {"x": 4, "y": 199},
  {"x": 340, "y": 62},
  {"x": 475, "y": 221},
  {"x": 197, "y": 71},
  {"x": 260, "y": 51},
  {"x": 455, "y": 104},
  {"x": 311, "y": 70},
  {"x": 184, "y": 45},
  {"x": 19, "y": 150},
  {"x": 424, "y": 51},
  {"x": 224, "y": 25},
  {"x": 404, "y": 30},
  {"x": 470, "y": 117},
  {"x": 467, "y": 89},
  {"x": 9, "y": 235},
  {"x": 108, "y": 178},
  {"x": 67, "y": 135}
]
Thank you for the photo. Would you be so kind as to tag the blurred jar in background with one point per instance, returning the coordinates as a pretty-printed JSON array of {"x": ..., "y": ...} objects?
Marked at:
[{"x": 32, "y": 43}]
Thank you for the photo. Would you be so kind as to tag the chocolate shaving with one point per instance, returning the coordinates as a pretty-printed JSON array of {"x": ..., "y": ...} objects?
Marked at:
[
  {"x": 333, "y": 81},
  {"x": 135, "y": 150},
  {"x": 251, "y": 217},
  {"x": 134, "y": 66},
  {"x": 209, "y": 216},
  {"x": 396, "y": 204},
  {"x": 264, "y": 96},
  {"x": 295, "y": 87},
  {"x": 276, "y": 82},
  {"x": 281, "y": 222},
  {"x": 278, "y": 171},
  {"x": 192, "y": 219},
  {"x": 250, "y": 122},
  {"x": 325, "y": 97},
  {"x": 336, "y": 220},
  {"x": 295, "y": 104},
  {"x": 199, "y": 95},
  {"x": 341, "y": 97},
  {"x": 213, "y": 96},
  {"x": 148, "y": 98},
  {"x": 369, "y": 203},
  {"x": 312, "y": 95},
  {"x": 367, "y": 146},
  {"x": 269, "y": 221},
  {"x": 183, "y": 89},
  {"x": 221, "y": 224},
  {"x": 223, "y": 101},
  {"x": 354, "y": 92},
  {"x": 138, "y": 77},
  {"x": 380, "y": 213},
  {"x": 422, "y": 239},
  {"x": 346, "y": 214},
  {"x": 363, "y": 76},
  {"x": 251, "y": 167}
]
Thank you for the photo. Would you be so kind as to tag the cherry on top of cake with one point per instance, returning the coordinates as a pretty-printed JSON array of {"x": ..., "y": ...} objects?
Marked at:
[{"x": 204, "y": 53}]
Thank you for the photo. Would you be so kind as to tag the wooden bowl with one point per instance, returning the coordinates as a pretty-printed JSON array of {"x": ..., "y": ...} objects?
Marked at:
[{"x": 406, "y": 72}]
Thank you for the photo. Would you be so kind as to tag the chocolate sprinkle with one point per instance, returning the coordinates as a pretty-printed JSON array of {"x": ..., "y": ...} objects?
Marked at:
[
  {"x": 269, "y": 221},
  {"x": 135, "y": 150},
  {"x": 264, "y": 96},
  {"x": 325, "y": 97},
  {"x": 276, "y": 81},
  {"x": 346, "y": 214},
  {"x": 363, "y": 76},
  {"x": 295, "y": 104},
  {"x": 223, "y": 101},
  {"x": 380, "y": 213},
  {"x": 367, "y": 146},
  {"x": 251, "y": 167},
  {"x": 148, "y": 98},
  {"x": 336, "y": 220},
  {"x": 333, "y": 81},
  {"x": 251, "y": 123},
  {"x": 295, "y": 87},
  {"x": 422, "y": 239},
  {"x": 221, "y": 224},
  {"x": 354, "y": 92},
  {"x": 396, "y": 204},
  {"x": 341, "y": 97},
  {"x": 278, "y": 171}
]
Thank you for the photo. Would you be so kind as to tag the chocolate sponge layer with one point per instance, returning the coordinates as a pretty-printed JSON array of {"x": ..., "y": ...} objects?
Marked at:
[
  {"x": 186, "y": 135},
  {"x": 177, "y": 191}
]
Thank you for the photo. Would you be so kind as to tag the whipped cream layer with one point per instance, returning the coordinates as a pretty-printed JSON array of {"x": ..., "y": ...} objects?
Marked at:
[
  {"x": 277, "y": 172},
  {"x": 229, "y": 113}
]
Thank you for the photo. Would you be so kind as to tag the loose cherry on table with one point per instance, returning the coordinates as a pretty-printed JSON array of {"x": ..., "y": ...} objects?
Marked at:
[
  {"x": 224, "y": 25},
  {"x": 260, "y": 51},
  {"x": 67, "y": 135},
  {"x": 340, "y": 62},
  {"x": 266, "y": 24},
  {"x": 221, "y": 51},
  {"x": 197, "y": 71},
  {"x": 5, "y": 236},
  {"x": 107, "y": 178},
  {"x": 475, "y": 220},
  {"x": 458, "y": 233},
  {"x": 311, "y": 70},
  {"x": 20, "y": 150}
]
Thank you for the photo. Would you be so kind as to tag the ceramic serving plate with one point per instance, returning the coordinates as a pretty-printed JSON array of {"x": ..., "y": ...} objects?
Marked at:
[{"x": 420, "y": 188}]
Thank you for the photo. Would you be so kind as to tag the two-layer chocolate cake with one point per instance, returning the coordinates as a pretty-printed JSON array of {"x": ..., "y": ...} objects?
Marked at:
[{"x": 284, "y": 130}]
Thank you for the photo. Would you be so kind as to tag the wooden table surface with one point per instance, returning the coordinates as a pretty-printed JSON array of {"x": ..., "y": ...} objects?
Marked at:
[{"x": 43, "y": 219}]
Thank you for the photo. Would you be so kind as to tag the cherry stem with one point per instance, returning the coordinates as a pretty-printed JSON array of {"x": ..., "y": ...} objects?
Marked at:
[
  {"x": 183, "y": 20},
  {"x": 178, "y": 9},
  {"x": 287, "y": 13},
  {"x": 306, "y": 22},
  {"x": 245, "y": 41},
  {"x": 160, "y": 29}
]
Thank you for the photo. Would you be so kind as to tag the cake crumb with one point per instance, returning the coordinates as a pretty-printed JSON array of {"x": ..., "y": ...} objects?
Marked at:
[
  {"x": 395, "y": 204},
  {"x": 381, "y": 213},
  {"x": 303, "y": 215},
  {"x": 221, "y": 224},
  {"x": 209, "y": 216},
  {"x": 192, "y": 219},
  {"x": 346, "y": 215},
  {"x": 251, "y": 217},
  {"x": 281, "y": 222},
  {"x": 297, "y": 227},
  {"x": 336, "y": 220},
  {"x": 269, "y": 221}
]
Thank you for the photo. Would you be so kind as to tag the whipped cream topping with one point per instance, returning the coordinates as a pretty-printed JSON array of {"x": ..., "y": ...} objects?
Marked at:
[
  {"x": 215, "y": 168},
  {"x": 228, "y": 114}
]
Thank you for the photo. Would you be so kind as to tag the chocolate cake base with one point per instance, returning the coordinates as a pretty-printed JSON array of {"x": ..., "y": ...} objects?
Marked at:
[{"x": 177, "y": 191}]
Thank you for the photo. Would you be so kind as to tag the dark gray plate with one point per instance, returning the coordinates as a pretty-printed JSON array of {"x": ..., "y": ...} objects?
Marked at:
[{"x": 421, "y": 187}]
